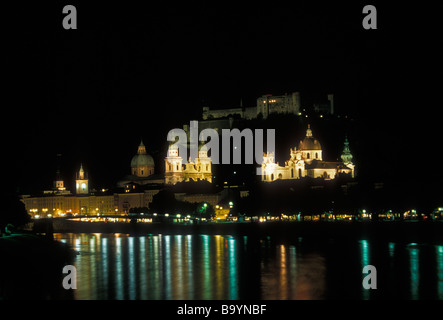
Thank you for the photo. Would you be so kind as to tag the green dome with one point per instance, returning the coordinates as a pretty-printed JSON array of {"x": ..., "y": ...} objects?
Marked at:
[{"x": 140, "y": 160}]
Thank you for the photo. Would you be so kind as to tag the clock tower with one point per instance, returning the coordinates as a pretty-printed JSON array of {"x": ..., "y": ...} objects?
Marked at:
[{"x": 81, "y": 182}]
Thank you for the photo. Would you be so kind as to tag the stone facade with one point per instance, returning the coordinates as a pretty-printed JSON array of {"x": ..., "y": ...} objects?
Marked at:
[
  {"x": 176, "y": 171},
  {"x": 306, "y": 161},
  {"x": 266, "y": 105}
]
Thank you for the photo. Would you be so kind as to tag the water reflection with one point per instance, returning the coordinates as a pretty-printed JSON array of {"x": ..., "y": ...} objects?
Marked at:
[
  {"x": 414, "y": 270},
  {"x": 121, "y": 266},
  {"x": 364, "y": 247},
  {"x": 439, "y": 255}
]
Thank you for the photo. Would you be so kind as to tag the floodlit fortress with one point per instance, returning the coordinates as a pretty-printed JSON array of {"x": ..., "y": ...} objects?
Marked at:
[
  {"x": 266, "y": 104},
  {"x": 307, "y": 161}
]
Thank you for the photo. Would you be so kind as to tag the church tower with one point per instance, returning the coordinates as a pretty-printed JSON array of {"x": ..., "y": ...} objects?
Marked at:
[
  {"x": 58, "y": 182},
  {"x": 173, "y": 165},
  {"x": 81, "y": 182},
  {"x": 310, "y": 147},
  {"x": 204, "y": 163},
  {"x": 346, "y": 157}
]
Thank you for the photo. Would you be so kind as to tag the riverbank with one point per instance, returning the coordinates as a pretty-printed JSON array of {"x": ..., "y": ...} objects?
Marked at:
[
  {"x": 407, "y": 231},
  {"x": 31, "y": 266}
]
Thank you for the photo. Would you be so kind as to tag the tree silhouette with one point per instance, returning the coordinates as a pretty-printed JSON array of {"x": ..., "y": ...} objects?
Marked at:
[{"x": 13, "y": 212}]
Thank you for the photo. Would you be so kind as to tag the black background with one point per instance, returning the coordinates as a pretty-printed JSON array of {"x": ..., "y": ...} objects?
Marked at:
[{"x": 132, "y": 71}]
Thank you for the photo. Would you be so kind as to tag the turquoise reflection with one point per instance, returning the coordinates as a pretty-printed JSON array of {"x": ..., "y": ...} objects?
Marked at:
[
  {"x": 391, "y": 249},
  {"x": 132, "y": 284},
  {"x": 119, "y": 268},
  {"x": 178, "y": 278},
  {"x": 142, "y": 268},
  {"x": 105, "y": 262},
  {"x": 439, "y": 258},
  {"x": 364, "y": 249},
  {"x": 92, "y": 275},
  {"x": 167, "y": 259},
  {"x": 155, "y": 246},
  {"x": 190, "y": 280},
  {"x": 233, "y": 290},
  {"x": 413, "y": 269},
  {"x": 206, "y": 268}
]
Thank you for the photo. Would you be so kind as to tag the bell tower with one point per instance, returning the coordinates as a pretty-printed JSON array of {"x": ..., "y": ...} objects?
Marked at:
[
  {"x": 58, "y": 182},
  {"x": 204, "y": 163},
  {"x": 81, "y": 182},
  {"x": 346, "y": 157},
  {"x": 173, "y": 166}
]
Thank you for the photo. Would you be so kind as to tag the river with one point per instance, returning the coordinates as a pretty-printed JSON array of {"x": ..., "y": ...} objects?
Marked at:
[{"x": 199, "y": 266}]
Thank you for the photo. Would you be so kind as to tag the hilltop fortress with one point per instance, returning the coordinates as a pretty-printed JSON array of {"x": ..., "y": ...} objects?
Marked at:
[{"x": 269, "y": 104}]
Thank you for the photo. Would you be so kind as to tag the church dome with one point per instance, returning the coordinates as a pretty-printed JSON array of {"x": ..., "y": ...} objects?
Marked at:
[
  {"x": 309, "y": 143},
  {"x": 142, "y": 159}
]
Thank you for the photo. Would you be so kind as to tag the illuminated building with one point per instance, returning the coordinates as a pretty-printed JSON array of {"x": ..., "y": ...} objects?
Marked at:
[
  {"x": 142, "y": 164},
  {"x": 176, "y": 171},
  {"x": 59, "y": 184},
  {"x": 266, "y": 105},
  {"x": 61, "y": 205},
  {"x": 81, "y": 182},
  {"x": 307, "y": 161},
  {"x": 284, "y": 104},
  {"x": 142, "y": 170}
]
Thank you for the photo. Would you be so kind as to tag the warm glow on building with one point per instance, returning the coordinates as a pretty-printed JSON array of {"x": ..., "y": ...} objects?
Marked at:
[{"x": 306, "y": 161}]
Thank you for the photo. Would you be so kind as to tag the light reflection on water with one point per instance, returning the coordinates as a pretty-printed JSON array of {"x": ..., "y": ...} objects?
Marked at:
[{"x": 119, "y": 266}]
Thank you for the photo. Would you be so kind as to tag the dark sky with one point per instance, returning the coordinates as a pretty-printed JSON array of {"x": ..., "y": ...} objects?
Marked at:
[{"x": 132, "y": 72}]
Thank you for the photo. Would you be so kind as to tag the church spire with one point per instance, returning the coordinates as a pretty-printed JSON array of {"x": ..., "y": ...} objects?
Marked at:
[
  {"x": 141, "y": 148},
  {"x": 58, "y": 182},
  {"x": 346, "y": 156},
  {"x": 81, "y": 173},
  {"x": 309, "y": 132}
]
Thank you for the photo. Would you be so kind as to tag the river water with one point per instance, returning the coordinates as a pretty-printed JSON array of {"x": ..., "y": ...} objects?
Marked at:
[{"x": 120, "y": 266}]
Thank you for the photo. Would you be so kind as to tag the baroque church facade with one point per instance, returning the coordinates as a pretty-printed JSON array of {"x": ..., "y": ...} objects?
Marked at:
[
  {"x": 307, "y": 161},
  {"x": 198, "y": 170}
]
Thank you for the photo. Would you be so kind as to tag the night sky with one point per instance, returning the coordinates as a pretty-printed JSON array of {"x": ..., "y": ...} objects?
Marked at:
[{"x": 132, "y": 72}]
